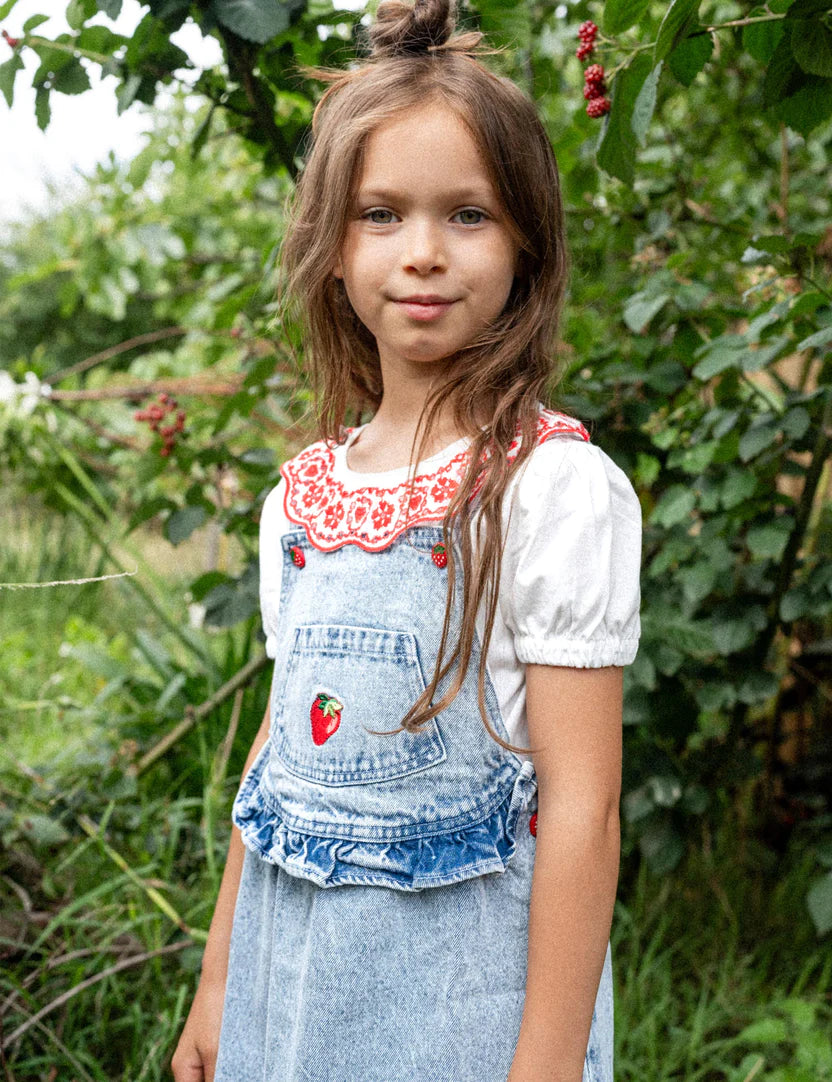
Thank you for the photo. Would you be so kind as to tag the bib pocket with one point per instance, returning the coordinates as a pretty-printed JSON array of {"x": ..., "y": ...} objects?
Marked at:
[{"x": 341, "y": 681}]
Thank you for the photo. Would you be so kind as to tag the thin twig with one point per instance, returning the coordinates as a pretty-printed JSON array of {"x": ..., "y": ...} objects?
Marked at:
[
  {"x": 114, "y": 351},
  {"x": 195, "y": 713},
  {"x": 63, "y": 582},
  {"x": 64, "y": 997},
  {"x": 182, "y": 387},
  {"x": 224, "y": 750}
]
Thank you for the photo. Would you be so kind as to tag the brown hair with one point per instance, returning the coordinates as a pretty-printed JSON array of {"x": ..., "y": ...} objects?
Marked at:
[{"x": 498, "y": 378}]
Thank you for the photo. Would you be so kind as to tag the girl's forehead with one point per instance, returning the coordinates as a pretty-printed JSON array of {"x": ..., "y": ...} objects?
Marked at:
[{"x": 429, "y": 145}]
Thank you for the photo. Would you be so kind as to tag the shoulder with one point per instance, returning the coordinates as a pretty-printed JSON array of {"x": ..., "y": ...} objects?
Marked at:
[{"x": 570, "y": 484}]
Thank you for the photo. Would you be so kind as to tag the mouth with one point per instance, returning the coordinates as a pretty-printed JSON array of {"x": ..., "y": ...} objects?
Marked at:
[{"x": 425, "y": 306}]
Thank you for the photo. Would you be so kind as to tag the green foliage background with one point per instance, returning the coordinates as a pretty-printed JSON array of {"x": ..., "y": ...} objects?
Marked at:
[{"x": 695, "y": 343}]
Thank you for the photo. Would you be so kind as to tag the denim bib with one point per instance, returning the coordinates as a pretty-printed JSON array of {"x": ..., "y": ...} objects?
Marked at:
[{"x": 330, "y": 801}]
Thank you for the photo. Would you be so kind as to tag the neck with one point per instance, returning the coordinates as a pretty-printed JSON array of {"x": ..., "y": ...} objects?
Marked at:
[{"x": 406, "y": 390}]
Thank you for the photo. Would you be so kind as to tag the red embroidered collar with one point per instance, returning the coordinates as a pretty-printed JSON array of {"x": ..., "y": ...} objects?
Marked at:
[{"x": 373, "y": 517}]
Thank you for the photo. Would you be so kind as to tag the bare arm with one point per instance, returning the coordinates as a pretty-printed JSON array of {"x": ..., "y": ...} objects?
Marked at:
[
  {"x": 575, "y": 722},
  {"x": 195, "y": 1057}
]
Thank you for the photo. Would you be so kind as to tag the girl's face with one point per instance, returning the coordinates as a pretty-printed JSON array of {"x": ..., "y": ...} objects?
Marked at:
[{"x": 428, "y": 258}]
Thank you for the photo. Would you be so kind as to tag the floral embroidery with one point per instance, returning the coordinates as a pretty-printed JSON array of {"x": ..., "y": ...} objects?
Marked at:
[{"x": 373, "y": 517}]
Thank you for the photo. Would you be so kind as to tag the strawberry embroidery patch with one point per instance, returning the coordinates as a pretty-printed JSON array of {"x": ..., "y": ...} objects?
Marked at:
[
  {"x": 439, "y": 556},
  {"x": 325, "y": 716},
  {"x": 533, "y": 825},
  {"x": 298, "y": 559}
]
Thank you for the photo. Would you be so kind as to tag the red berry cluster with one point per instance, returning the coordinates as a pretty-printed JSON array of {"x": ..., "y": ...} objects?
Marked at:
[
  {"x": 156, "y": 413},
  {"x": 595, "y": 89},
  {"x": 586, "y": 32},
  {"x": 13, "y": 42}
]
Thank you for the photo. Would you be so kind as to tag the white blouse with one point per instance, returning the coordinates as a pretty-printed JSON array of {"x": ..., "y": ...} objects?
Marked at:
[{"x": 569, "y": 588}]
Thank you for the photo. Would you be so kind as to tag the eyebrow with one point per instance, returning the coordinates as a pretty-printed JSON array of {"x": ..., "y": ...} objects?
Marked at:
[{"x": 455, "y": 195}]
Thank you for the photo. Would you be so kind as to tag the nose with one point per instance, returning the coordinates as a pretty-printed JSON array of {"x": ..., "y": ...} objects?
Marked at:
[{"x": 423, "y": 248}]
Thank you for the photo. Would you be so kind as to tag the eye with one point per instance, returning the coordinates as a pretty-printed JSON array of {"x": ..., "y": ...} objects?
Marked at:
[
  {"x": 471, "y": 216},
  {"x": 370, "y": 216}
]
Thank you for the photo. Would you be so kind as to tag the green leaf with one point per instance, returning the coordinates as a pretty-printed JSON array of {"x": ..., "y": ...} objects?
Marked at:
[
  {"x": 662, "y": 846},
  {"x": 34, "y": 22},
  {"x": 674, "y": 506},
  {"x": 738, "y": 486},
  {"x": 617, "y": 145},
  {"x": 72, "y": 79},
  {"x": 765, "y": 1031},
  {"x": 43, "y": 111},
  {"x": 795, "y": 603},
  {"x": 41, "y": 830},
  {"x": 78, "y": 11},
  {"x": 202, "y": 132},
  {"x": 640, "y": 309},
  {"x": 679, "y": 19},
  {"x": 697, "y": 458},
  {"x": 819, "y": 902},
  {"x": 505, "y": 23},
  {"x": 230, "y": 603},
  {"x": 807, "y": 9},
  {"x": 812, "y": 46},
  {"x": 808, "y": 107},
  {"x": 754, "y": 360},
  {"x": 8, "y": 72},
  {"x": 645, "y": 103},
  {"x": 762, "y": 38},
  {"x": 823, "y": 851},
  {"x": 718, "y": 358},
  {"x": 784, "y": 76},
  {"x": 820, "y": 338},
  {"x": 774, "y": 243},
  {"x": 6, "y": 8},
  {"x": 182, "y": 523},
  {"x": 202, "y": 586},
  {"x": 111, "y": 8},
  {"x": 126, "y": 93},
  {"x": 620, "y": 15},
  {"x": 796, "y": 422},
  {"x": 731, "y": 636},
  {"x": 756, "y": 438},
  {"x": 769, "y": 540},
  {"x": 100, "y": 39},
  {"x": 254, "y": 20},
  {"x": 690, "y": 56}
]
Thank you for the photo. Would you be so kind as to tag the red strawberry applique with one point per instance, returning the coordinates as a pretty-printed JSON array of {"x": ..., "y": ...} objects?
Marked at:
[
  {"x": 533, "y": 825},
  {"x": 298, "y": 559},
  {"x": 439, "y": 556},
  {"x": 325, "y": 716}
]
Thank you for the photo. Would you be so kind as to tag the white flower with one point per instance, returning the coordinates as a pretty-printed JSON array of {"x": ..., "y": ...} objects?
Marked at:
[
  {"x": 21, "y": 398},
  {"x": 196, "y": 615}
]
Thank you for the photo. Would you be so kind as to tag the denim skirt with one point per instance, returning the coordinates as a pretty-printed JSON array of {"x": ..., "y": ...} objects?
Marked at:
[{"x": 370, "y": 984}]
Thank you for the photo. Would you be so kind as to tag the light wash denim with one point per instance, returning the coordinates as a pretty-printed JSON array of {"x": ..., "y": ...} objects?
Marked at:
[{"x": 381, "y": 926}]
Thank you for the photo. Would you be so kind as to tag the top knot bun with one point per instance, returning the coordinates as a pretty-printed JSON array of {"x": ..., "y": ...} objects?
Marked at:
[{"x": 427, "y": 26}]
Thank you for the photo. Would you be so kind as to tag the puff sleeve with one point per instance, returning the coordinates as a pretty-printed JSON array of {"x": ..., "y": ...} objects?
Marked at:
[
  {"x": 272, "y": 526},
  {"x": 572, "y": 559}
]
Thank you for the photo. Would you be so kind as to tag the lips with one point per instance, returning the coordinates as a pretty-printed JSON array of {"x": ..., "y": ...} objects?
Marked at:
[{"x": 425, "y": 306}]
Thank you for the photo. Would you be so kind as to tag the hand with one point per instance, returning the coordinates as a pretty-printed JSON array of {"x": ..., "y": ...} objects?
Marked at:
[{"x": 195, "y": 1058}]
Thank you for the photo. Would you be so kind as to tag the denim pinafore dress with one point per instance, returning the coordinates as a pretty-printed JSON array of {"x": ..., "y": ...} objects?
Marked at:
[{"x": 381, "y": 924}]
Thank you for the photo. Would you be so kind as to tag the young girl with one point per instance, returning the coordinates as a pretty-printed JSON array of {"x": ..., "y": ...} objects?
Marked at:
[{"x": 421, "y": 883}]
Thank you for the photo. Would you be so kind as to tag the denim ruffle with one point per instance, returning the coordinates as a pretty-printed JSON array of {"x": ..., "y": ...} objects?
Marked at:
[{"x": 409, "y": 864}]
